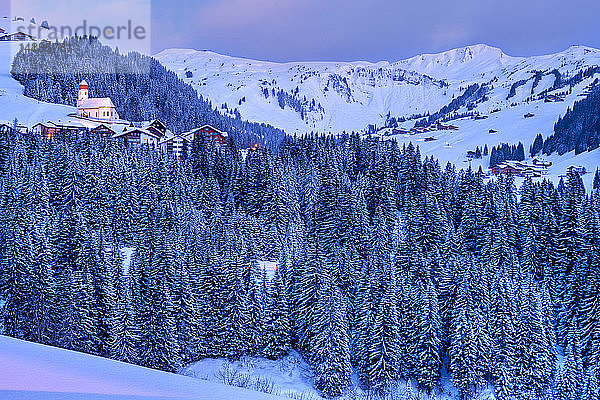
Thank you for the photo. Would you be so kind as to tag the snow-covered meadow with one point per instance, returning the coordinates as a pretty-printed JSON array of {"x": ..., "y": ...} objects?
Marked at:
[{"x": 35, "y": 371}]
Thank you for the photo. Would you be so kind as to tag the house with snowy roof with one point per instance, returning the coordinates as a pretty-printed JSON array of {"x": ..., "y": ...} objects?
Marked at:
[
  {"x": 51, "y": 128},
  {"x": 135, "y": 136},
  {"x": 206, "y": 131},
  {"x": 16, "y": 37},
  {"x": 97, "y": 108}
]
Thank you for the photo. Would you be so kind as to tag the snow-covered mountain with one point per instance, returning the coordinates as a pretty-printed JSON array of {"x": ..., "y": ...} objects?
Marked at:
[{"x": 336, "y": 97}]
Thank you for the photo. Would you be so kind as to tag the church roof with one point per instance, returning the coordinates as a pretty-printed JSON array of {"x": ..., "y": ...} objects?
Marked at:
[
  {"x": 83, "y": 84},
  {"x": 97, "y": 103}
]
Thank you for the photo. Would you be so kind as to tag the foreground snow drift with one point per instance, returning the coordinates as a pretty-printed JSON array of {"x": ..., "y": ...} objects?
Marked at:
[{"x": 33, "y": 371}]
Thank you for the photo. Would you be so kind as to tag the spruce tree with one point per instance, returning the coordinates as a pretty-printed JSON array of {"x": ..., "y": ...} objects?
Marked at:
[{"x": 277, "y": 324}]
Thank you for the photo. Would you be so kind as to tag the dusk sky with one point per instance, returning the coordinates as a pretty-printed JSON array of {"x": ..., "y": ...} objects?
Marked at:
[
  {"x": 293, "y": 30},
  {"x": 347, "y": 30}
]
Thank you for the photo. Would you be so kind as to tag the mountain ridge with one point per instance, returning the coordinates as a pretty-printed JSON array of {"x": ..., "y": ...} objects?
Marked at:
[
  {"x": 303, "y": 97},
  {"x": 477, "y": 49}
]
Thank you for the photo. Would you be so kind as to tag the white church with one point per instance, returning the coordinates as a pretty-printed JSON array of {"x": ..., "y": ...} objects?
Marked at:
[{"x": 98, "y": 108}]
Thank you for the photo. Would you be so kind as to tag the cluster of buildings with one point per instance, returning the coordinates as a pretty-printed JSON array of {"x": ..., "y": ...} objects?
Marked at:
[
  {"x": 535, "y": 169},
  {"x": 552, "y": 98},
  {"x": 153, "y": 134},
  {"x": 423, "y": 129},
  {"x": 100, "y": 117}
]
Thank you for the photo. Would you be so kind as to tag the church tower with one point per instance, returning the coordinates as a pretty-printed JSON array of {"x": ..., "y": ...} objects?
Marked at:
[{"x": 83, "y": 93}]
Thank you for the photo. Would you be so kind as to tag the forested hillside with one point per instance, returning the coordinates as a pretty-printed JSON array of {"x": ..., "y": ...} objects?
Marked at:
[
  {"x": 141, "y": 88},
  {"x": 388, "y": 263},
  {"x": 579, "y": 129}
]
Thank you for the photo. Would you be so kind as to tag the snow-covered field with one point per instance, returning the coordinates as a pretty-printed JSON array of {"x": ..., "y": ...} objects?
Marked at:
[
  {"x": 34, "y": 371},
  {"x": 289, "y": 377},
  {"x": 12, "y": 102}
]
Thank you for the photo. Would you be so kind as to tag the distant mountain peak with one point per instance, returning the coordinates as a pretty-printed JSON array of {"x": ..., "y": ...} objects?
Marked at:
[
  {"x": 476, "y": 58},
  {"x": 467, "y": 53}
]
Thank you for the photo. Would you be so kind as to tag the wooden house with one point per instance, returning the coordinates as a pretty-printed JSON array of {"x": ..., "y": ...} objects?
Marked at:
[
  {"x": 552, "y": 98},
  {"x": 542, "y": 163},
  {"x": 442, "y": 127},
  {"x": 419, "y": 129},
  {"x": 4, "y": 128},
  {"x": 157, "y": 128},
  {"x": 104, "y": 131},
  {"x": 44, "y": 129},
  {"x": 50, "y": 128},
  {"x": 207, "y": 131},
  {"x": 507, "y": 169},
  {"x": 532, "y": 172},
  {"x": 580, "y": 170},
  {"x": 16, "y": 37},
  {"x": 138, "y": 137},
  {"x": 177, "y": 145}
]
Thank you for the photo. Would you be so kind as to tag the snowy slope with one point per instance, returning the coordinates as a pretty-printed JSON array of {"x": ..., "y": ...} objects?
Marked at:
[
  {"x": 292, "y": 377},
  {"x": 354, "y": 95},
  {"x": 347, "y": 96},
  {"x": 462, "y": 62},
  {"x": 511, "y": 127},
  {"x": 12, "y": 102},
  {"x": 33, "y": 371},
  {"x": 289, "y": 376}
]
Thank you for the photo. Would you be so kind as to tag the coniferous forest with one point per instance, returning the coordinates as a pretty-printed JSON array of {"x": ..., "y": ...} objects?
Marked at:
[
  {"x": 579, "y": 129},
  {"x": 390, "y": 265}
]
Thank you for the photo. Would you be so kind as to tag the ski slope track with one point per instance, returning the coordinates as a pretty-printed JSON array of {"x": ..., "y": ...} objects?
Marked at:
[{"x": 34, "y": 371}]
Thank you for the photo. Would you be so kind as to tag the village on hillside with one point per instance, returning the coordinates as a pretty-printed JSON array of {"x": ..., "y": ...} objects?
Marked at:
[{"x": 99, "y": 116}]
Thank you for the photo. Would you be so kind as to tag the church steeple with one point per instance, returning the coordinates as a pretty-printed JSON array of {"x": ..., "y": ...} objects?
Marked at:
[{"x": 83, "y": 93}]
